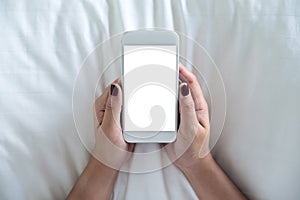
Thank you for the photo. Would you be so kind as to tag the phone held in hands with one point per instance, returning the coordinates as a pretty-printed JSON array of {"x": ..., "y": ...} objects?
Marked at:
[{"x": 150, "y": 86}]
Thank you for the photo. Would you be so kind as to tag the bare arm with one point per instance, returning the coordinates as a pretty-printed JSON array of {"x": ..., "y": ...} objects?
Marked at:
[
  {"x": 210, "y": 182},
  {"x": 96, "y": 182}
]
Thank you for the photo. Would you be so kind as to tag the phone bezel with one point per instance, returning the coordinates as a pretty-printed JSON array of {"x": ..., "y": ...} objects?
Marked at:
[{"x": 151, "y": 37}]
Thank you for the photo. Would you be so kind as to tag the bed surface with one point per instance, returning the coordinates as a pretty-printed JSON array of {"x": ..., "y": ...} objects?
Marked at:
[{"x": 44, "y": 44}]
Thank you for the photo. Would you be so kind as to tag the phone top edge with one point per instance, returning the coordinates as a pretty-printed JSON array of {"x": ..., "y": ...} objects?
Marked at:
[{"x": 150, "y": 38}]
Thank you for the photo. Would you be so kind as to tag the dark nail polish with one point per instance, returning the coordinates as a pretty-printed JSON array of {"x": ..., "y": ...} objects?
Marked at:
[
  {"x": 113, "y": 90},
  {"x": 185, "y": 90}
]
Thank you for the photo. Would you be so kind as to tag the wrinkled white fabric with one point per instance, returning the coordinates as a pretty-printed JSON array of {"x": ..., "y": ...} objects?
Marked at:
[{"x": 254, "y": 43}]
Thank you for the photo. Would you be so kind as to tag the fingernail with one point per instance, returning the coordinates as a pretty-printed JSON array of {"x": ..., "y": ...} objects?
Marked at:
[
  {"x": 185, "y": 90},
  {"x": 113, "y": 90}
]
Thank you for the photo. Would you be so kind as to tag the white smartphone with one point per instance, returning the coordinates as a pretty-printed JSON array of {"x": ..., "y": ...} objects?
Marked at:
[{"x": 150, "y": 86}]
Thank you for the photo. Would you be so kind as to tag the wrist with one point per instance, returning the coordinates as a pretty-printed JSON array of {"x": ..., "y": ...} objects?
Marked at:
[
  {"x": 99, "y": 167},
  {"x": 199, "y": 166},
  {"x": 95, "y": 182},
  {"x": 110, "y": 157}
]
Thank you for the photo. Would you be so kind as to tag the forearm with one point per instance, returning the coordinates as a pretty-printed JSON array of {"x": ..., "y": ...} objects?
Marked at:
[
  {"x": 96, "y": 182},
  {"x": 210, "y": 182}
]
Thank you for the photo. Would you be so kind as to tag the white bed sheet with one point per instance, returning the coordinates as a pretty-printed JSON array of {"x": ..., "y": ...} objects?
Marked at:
[{"x": 254, "y": 43}]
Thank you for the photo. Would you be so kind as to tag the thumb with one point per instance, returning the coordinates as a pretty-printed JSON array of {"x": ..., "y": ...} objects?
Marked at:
[
  {"x": 188, "y": 117},
  {"x": 113, "y": 106}
]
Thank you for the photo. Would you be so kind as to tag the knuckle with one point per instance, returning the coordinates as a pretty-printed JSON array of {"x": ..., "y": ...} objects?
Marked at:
[
  {"x": 188, "y": 105},
  {"x": 205, "y": 105},
  {"x": 108, "y": 106},
  {"x": 96, "y": 109},
  {"x": 193, "y": 78},
  {"x": 96, "y": 104}
]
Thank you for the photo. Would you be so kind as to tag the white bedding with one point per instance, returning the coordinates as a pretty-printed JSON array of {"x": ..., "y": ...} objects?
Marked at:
[{"x": 255, "y": 45}]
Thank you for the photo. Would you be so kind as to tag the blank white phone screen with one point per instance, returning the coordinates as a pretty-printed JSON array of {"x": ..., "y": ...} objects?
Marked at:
[{"x": 149, "y": 88}]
